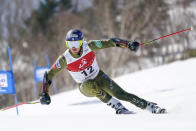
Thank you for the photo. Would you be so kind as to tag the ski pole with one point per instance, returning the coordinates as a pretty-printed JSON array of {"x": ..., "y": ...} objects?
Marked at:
[
  {"x": 35, "y": 102},
  {"x": 148, "y": 42}
]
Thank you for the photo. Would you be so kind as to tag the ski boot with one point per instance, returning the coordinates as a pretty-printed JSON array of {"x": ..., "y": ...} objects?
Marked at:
[
  {"x": 120, "y": 109},
  {"x": 154, "y": 108}
]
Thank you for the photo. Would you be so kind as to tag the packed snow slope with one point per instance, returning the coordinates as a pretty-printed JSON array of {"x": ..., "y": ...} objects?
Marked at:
[{"x": 172, "y": 86}]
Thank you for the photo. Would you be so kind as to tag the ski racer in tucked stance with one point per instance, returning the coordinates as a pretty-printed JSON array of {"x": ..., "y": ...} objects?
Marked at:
[{"x": 80, "y": 61}]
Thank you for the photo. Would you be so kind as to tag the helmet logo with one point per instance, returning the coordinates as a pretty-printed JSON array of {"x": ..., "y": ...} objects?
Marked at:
[{"x": 74, "y": 35}]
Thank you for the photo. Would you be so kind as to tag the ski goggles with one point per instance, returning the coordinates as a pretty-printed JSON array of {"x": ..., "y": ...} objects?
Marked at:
[{"x": 75, "y": 44}]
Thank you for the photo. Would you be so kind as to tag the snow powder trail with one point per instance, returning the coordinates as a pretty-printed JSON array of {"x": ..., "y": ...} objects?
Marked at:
[{"x": 172, "y": 86}]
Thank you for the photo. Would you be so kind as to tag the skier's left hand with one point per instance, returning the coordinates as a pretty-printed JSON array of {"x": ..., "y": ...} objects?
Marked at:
[{"x": 133, "y": 46}]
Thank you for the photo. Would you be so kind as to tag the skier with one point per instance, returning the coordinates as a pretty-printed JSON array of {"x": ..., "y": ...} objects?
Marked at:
[{"x": 80, "y": 61}]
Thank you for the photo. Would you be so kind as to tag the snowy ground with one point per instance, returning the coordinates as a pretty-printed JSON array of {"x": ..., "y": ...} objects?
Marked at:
[{"x": 172, "y": 86}]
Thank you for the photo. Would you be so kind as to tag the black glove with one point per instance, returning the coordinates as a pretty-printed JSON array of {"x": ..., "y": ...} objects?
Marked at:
[
  {"x": 45, "y": 98},
  {"x": 134, "y": 46}
]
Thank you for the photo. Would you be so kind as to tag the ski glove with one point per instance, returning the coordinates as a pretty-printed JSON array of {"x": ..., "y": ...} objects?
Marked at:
[
  {"x": 134, "y": 46},
  {"x": 45, "y": 98}
]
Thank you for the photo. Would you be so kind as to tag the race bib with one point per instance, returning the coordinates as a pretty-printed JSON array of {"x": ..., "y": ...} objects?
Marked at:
[{"x": 84, "y": 67}]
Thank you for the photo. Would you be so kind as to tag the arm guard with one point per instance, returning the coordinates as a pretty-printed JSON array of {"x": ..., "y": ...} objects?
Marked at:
[
  {"x": 132, "y": 45},
  {"x": 121, "y": 42},
  {"x": 46, "y": 83},
  {"x": 44, "y": 96}
]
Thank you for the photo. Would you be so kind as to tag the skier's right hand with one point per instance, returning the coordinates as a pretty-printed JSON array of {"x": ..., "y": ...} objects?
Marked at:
[{"x": 45, "y": 98}]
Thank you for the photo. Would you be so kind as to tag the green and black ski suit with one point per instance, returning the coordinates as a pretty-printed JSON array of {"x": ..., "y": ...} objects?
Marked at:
[{"x": 100, "y": 85}]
